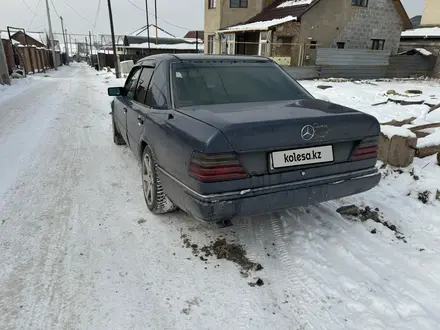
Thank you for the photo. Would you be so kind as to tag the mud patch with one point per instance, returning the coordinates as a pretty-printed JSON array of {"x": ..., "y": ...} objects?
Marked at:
[
  {"x": 423, "y": 196},
  {"x": 368, "y": 213},
  {"x": 259, "y": 282},
  {"x": 222, "y": 249}
]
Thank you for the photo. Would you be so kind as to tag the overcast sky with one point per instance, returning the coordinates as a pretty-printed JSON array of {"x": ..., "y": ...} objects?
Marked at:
[{"x": 81, "y": 15}]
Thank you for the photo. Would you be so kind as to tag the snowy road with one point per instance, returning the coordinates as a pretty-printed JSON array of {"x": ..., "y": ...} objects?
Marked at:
[{"x": 79, "y": 249}]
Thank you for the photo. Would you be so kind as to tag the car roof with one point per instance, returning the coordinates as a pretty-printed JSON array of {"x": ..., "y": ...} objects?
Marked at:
[{"x": 203, "y": 57}]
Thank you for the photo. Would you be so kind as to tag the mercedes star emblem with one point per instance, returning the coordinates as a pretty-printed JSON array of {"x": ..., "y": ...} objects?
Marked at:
[{"x": 307, "y": 132}]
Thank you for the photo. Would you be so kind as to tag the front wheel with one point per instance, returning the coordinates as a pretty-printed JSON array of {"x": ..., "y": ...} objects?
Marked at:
[{"x": 156, "y": 199}]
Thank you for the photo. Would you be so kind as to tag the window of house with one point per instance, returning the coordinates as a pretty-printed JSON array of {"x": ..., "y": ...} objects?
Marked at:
[
  {"x": 360, "y": 3},
  {"x": 211, "y": 4},
  {"x": 313, "y": 44},
  {"x": 230, "y": 43},
  {"x": 378, "y": 44},
  {"x": 340, "y": 45},
  {"x": 238, "y": 3},
  {"x": 285, "y": 46},
  {"x": 211, "y": 44}
]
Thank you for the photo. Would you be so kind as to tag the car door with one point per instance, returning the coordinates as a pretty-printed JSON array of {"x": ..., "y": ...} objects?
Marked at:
[
  {"x": 160, "y": 121},
  {"x": 123, "y": 102},
  {"x": 138, "y": 109}
]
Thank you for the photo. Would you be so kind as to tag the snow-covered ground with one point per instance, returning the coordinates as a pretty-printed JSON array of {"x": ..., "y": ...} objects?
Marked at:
[{"x": 79, "y": 249}]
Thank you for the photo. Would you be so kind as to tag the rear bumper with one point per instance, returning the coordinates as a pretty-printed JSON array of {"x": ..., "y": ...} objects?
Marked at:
[{"x": 225, "y": 206}]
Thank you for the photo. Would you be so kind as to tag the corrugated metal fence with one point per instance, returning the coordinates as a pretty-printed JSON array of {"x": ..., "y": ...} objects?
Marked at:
[
  {"x": 406, "y": 66},
  {"x": 352, "y": 63}
]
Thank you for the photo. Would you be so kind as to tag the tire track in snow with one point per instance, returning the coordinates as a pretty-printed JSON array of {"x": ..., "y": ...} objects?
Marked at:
[
  {"x": 290, "y": 269},
  {"x": 247, "y": 318},
  {"x": 359, "y": 246}
]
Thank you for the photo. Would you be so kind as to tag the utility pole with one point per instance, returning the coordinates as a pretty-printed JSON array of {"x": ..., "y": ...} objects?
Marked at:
[
  {"x": 51, "y": 36},
  {"x": 66, "y": 48},
  {"x": 148, "y": 26},
  {"x": 91, "y": 49},
  {"x": 4, "y": 71},
  {"x": 87, "y": 47},
  {"x": 115, "y": 56},
  {"x": 155, "y": 19},
  {"x": 70, "y": 44}
]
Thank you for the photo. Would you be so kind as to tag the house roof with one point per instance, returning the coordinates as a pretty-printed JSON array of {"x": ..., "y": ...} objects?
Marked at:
[
  {"x": 416, "y": 20},
  {"x": 403, "y": 15},
  {"x": 133, "y": 40},
  {"x": 37, "y": 37},
  {"x": 194, "y": 35},
  {"x": 281, "y": 9},
  {"x": 429, "y": 32},
  {"x": 260, "y": 25}
]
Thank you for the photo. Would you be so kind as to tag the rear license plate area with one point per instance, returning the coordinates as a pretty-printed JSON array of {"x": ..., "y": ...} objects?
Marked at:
[{"x": 301, "y": 157}]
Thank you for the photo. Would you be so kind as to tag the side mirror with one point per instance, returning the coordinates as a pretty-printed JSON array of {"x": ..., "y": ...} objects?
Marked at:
[{"x": 116, "y": 91}]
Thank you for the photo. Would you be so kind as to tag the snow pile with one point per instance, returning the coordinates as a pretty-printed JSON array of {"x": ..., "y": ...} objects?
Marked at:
[
  {"x": 390, "y": 131},
  {"x": 292, "y": 3},
  {"x": 262, "y": 25},
  {"x": 430, "y": 141},
  {"x": 423, "y": 51},
  {"x": 422, "y": 32}
]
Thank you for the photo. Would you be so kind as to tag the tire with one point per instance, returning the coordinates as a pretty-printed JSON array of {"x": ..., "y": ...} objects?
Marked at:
[
  {"x": 155, "y": 198},
  {"x": 117, "y": 137}
]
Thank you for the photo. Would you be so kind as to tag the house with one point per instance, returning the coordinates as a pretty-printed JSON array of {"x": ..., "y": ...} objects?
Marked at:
[
  {"x": 31, "y": 39},
  {"x": 138, "y": 45},
  {"x": 291, "y": 31},
  {"x": 431, "y": 13},
  {"x": 427, "y": 35}
]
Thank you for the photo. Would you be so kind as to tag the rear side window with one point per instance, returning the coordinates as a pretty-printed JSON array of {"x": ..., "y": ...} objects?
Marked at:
[
  {"x": 142, "y": 87},
  {"x": 156, "y": 96},
  {"x": 130, "y": 84},
  {"x": 202, "y": 83}
]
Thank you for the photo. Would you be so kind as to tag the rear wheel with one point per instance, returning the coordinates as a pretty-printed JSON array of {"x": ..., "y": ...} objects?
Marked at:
[
  {"x": 156, "y": 199},
  {"x": 117, "y": 137}
]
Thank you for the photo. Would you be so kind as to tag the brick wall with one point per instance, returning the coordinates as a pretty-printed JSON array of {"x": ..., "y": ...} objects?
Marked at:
[{"x": 379, "y": 20}]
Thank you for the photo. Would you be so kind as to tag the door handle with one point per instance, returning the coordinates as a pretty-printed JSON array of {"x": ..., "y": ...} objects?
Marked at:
[
  {"x": 125, "y": 110},
  {"x": 140, "y": 121}
]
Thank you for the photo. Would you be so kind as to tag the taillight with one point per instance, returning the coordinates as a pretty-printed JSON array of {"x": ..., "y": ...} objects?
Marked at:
[
  {"x": 218, "y": 167},
  {"x": 367, "y": 148}
]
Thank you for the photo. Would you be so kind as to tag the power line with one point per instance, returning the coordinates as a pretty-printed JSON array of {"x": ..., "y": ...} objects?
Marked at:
[
  {"x": 77, "y": 13},
  {"x": 96, "y": 16},
  {"x": 35, "y": 15},
  {"x": 56, "y": 13},
  {"x": 169, "y": 23},
  {"x": 28, "y": 7}
]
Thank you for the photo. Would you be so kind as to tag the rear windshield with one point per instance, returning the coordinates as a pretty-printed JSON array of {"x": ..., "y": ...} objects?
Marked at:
[{"x": 203, "y": 83}]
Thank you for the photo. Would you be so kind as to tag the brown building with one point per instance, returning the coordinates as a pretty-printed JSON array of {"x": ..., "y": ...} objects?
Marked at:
[{"x": 291, "y": 31}]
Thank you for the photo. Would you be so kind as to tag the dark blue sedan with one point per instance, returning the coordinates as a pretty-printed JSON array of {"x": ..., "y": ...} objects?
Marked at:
[{"x": 227, "y": 136}]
